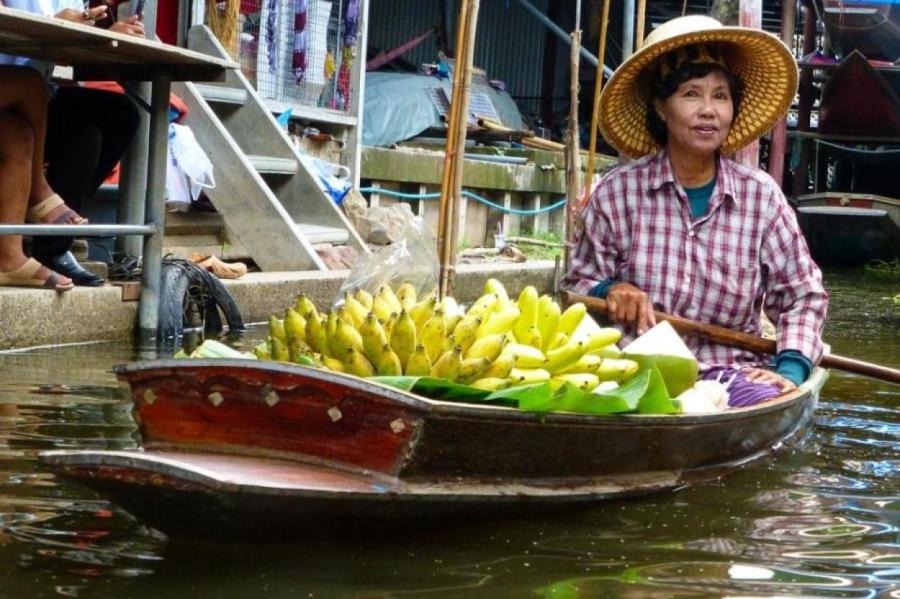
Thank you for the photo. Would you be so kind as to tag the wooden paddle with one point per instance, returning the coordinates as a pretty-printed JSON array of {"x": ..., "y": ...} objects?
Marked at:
[{"x": 744, "y": 340}]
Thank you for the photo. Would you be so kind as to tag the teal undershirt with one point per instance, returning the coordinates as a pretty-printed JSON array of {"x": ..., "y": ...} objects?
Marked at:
[
  {"x": 790, "y": 364},
  {"x": 699, "y": 198}
]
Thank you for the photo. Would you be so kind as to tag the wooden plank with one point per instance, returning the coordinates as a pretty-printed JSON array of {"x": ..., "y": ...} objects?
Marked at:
[{"x": 101, "y": 54}]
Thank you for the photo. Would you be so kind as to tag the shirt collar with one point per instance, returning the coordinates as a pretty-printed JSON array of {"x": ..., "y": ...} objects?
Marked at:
[{"x": 662, "y": 173}]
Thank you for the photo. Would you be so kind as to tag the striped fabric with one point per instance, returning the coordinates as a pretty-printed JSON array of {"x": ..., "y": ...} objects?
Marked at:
[{"x": 745, "y": 254}]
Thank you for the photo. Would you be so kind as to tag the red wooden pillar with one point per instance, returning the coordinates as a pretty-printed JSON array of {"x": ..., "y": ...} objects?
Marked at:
[
  {"x": 779, "y": 134},
  {"x": 750, "y": 16}
]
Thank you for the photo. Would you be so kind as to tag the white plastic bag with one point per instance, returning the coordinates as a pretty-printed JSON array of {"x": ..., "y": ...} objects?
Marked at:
[
  {"x": 190, "y": 161},
  {"x": 333, "y": 179},
  {"x": 412, "y": 259}
]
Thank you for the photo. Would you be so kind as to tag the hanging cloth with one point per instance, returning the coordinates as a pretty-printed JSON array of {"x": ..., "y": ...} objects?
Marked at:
[{"x": 299, "y": 57}]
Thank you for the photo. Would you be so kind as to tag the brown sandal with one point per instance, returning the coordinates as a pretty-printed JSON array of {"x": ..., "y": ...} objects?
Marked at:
[
  {"x": 222, "y": 270},
  {"x": 40, "y": 211},
  {"x": 28, "y": 275}
]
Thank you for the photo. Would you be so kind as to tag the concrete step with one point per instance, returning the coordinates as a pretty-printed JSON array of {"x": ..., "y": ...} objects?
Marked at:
[
  {"x": 220, "y": 94},
  {"x": 320, "y": 234},
  {"x": 271, "y": 165}
]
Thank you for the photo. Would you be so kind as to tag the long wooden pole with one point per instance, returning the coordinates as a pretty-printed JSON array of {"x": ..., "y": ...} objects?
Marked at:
[
  {"x": 746, "y": 341},
  {"x": 641, "y": 18},
  {"x": 451, "y": 238},
  {"x": 595, "y": 114},
  {"x": 447, "y": 198},
  {"x": 573, "y": 143}
]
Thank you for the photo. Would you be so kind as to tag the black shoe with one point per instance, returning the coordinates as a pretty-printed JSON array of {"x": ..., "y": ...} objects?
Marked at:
[{"x": 67, "y": 266}]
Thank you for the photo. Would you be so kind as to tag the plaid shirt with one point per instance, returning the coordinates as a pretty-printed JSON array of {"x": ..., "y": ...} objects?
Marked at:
[{"x": 745, "y": 254}]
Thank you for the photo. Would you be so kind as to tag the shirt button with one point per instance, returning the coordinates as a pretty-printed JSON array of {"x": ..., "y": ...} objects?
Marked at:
[{"x": 691, "y": 233}]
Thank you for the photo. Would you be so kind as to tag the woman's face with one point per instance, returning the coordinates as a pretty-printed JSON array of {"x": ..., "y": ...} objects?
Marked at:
[{"x": 698, "y": 115}]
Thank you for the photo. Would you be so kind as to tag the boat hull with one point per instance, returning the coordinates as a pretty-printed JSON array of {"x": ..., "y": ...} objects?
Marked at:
[{"x": 446, "y": 459}]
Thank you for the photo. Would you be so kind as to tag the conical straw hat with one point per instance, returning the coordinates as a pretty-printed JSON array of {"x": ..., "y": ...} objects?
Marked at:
[{"x": 761, "y": 60}]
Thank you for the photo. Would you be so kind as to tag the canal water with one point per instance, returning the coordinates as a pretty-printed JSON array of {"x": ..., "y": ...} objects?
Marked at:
[{"x": 819, "y": 521}]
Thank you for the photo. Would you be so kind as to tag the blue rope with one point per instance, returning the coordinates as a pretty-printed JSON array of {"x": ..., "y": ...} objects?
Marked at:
[{"x": 431, "y": 196}]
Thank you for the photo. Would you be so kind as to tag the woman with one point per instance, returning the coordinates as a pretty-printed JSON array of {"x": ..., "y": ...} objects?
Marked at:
[
  {"x": 688, "y": 231},
  {"x": 80, "y": 141}
]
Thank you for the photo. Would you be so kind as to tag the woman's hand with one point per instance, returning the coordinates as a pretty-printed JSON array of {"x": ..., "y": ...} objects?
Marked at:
[
  {"x": 763, "y": 376},
  {"x": 130, "y": 26},
  {"x": 631, "y": 306},
  {"x": 86, "y": 17}
]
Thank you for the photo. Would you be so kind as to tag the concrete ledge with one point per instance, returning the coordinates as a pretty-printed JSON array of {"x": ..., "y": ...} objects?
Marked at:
[{"x": 30, "y": 317}]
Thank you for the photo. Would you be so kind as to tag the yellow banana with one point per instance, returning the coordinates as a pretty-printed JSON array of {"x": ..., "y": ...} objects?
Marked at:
[
  {"x": 316, "y": 335},
  {"x": 548, "y": 320},
  {"x": 298, "y": 351},
  {"x": 472, "y": 368},
  {"x": 465, "y": 332},
  {"x": 406, "y": 295},
  {"x": 527, "y": 304},
  {"x": 491, "y": 383},
  {"x": 276, "y": 329},
  {"x": 382, "y": 309},
  {"x": 387, "y": 294},
  {"x": 294, "y": 325},
  {"x": 305, "y": 306},
  {"x": 563, "y": 357},
  {"x": 403, "y": 337},
  {"x": 387, "y": 363},
  {"x": 448, "y": 365},
  {"x": 432, "y": 335},
  {"x": 373, "y": 337},
  {"x": 418, "y": 363},
  {"x": 261, "y": 351},
  {"x": 496, "y": 287},
  {"x": 357, "y": 364},
  {"x": 608, "y": 351},
  {"x": 616, "y": 370},
  {"x": 364, "y": 297},
  {"x": 279, "y": 349},
  {"x": 331, "y": 324},
  {"x": 601, "y": 338},
  {"x": 587, "y": 363},
  {"x": 333, "y": 364},
  {"x": 528, "y": 376},
  {"x": 483, "y": 306},
  {"x": 583, "y": 380},
  {"x": 499, "y": 368},
  {"x": 525, "y": 356},
  {"x": 559, "y": 340},
  {"x": 499, "y": 321},
  {"x": 345, "y": 338},
  {"x": 389, "y": 324},
  {"x": 422, "y": 311},
  {"x": 532, "y": 337},
  {"x": 355, "y": 310},
  {"x": 487, "y": 347},
  {"x": 451, "y": 307},
  {"x": 571, "y": 318}
]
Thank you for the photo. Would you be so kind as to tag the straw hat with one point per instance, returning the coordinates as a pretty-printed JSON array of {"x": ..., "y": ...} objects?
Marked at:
[{"x": 761, "y": 60}]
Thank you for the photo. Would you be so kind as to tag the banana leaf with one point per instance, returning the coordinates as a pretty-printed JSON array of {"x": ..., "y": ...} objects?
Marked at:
[{"x": 644, "y": 393}]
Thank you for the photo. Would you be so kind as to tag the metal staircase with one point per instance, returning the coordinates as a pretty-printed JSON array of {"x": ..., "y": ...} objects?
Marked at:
[{"x": 266, "y": 196}]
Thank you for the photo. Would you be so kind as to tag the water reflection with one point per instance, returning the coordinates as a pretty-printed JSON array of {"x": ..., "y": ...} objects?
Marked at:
[{"x": 819, "y": 521}]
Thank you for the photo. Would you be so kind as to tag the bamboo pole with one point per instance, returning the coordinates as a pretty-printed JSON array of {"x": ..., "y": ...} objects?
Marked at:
[
  {"x": 641, "y": 18},
  {"x": 573, "y": 157},
  {"x": 595, "y": 115},
  {"x": 454, "y": 191},
  {"x": 446, "y": 210}
]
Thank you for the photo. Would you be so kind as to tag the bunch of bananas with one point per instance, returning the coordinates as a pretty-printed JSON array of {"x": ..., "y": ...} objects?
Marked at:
[{"x": 496, "y": 343}]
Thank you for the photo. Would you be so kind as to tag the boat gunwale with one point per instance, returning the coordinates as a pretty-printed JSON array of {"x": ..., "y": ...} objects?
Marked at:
[{"x": 466, "y": 409}]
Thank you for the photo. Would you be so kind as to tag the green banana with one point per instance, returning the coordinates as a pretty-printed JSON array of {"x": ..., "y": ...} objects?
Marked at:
[{"x": 357, "y": 364}]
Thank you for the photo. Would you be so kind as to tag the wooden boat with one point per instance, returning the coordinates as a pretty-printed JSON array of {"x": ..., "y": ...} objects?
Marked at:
[
  {"x": 850, "y": 229},
  {"x": 265, "y": 446},
  {"x": 858, "y": 100}
]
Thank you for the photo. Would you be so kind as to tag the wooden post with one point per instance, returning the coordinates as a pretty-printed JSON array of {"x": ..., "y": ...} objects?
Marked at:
[
  {"x": 506, "y": 219},
  {"x": 641, "y": 18},
  {"x": 750, "y": 16},
  {"x": 451, "y": 195},
  {"x": 573, "y": 149},
  {"x": 806, "y": 100},
  {"x": 779, "y": 134}
]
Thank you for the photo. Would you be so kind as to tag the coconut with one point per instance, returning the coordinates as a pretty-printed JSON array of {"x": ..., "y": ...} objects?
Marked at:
[{"x": 664, "y": 348}]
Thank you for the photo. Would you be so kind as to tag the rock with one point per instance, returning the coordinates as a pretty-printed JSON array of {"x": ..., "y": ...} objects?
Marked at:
[
  {"x": 380, "y": 225},
  {"x": 514, "y": 253},
  {"x": 337, "y": 257}
]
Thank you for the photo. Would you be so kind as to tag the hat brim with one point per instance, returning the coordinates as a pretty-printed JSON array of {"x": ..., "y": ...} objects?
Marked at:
[{"x": 761, "y": 60}]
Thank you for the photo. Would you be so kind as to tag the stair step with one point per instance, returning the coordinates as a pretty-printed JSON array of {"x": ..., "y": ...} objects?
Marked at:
[
  {"x": 194, "y": 223},
  {"x": 219, "y": 94},
  {"x": 272, "y": 165},
  {"x": 322, "y": 234}
]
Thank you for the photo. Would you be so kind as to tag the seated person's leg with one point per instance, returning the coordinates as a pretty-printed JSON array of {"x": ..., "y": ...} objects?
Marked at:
[{"x": 16, "y": 152}]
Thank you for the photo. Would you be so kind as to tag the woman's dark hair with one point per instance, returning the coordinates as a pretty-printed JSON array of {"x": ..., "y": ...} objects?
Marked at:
[{"x": 663, "y": 87}]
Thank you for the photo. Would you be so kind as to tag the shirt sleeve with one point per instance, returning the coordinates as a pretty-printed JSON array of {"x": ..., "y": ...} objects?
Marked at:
[
  {"x": 593, "y": 259},
  {"x": 796, "y": 301}
]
